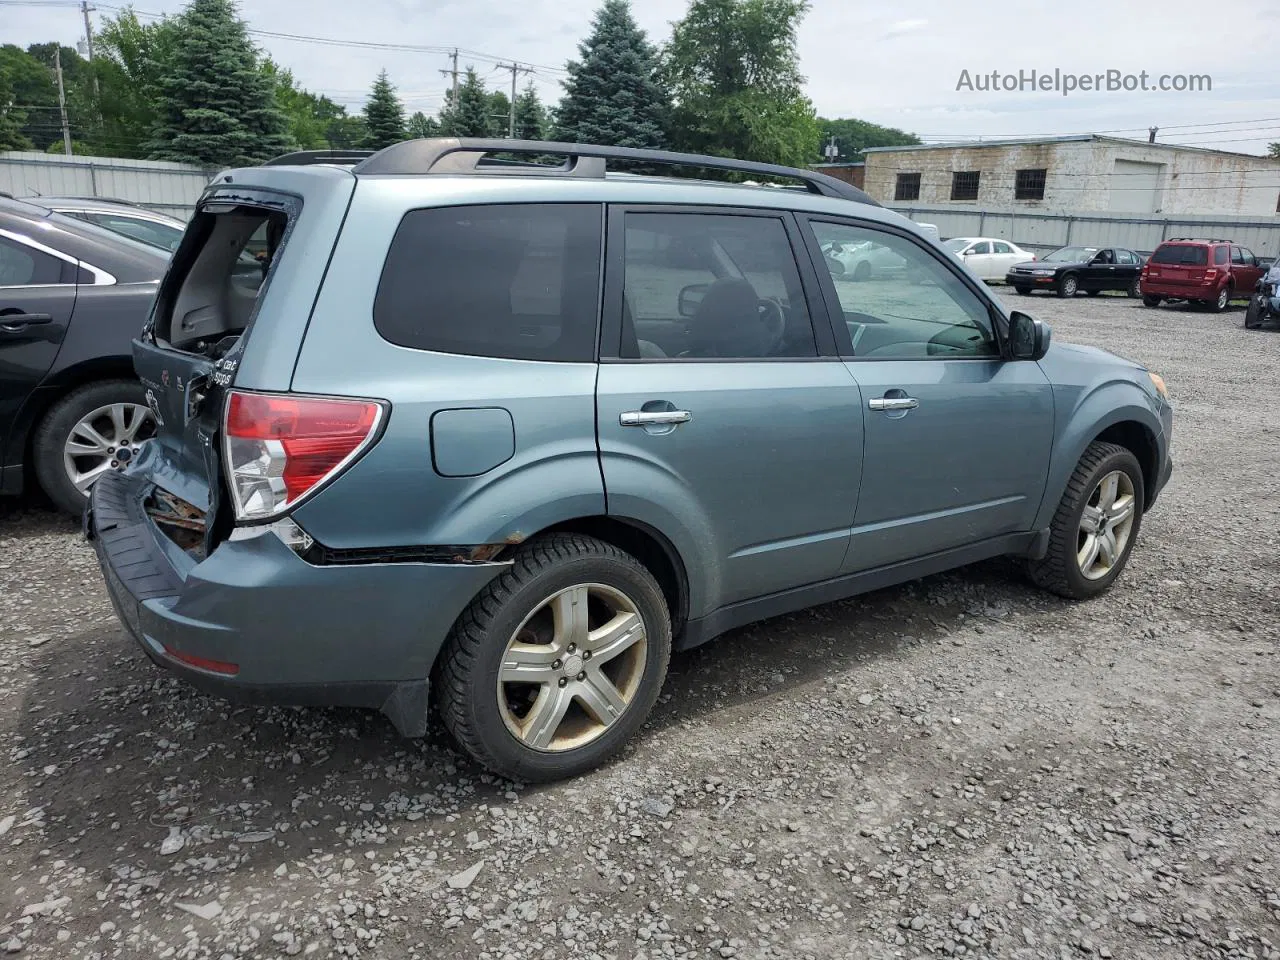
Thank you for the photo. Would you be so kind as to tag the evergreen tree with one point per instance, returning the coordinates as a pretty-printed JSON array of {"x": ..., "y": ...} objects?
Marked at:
[
  {"x": 383, "y": 115},
  {"x": 469, "y": 117},
  {"x": 499, "y": 114},
  {"x": 531, "y": 115},
  {"x": 420, "y": 125},
  {"x": 612, "y": 96},
  {"x": 216, "y": 107},
  {"x": 734, "y": 74}
]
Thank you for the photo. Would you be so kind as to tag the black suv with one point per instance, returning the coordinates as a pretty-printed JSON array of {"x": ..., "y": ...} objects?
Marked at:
[{"x": 72, "y": 297}]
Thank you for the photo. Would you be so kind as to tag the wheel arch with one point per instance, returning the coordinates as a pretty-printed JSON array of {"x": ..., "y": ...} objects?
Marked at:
[
  {"x": 56, "y": 386},
  {"x": 650, "y": 546},
  {"x": 1139, "y": 440}
]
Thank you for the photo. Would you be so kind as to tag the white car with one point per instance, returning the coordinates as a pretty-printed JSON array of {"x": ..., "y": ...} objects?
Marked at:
[
  {"x": 988, "y": 257},
  {"x": 862, "y": 261}
]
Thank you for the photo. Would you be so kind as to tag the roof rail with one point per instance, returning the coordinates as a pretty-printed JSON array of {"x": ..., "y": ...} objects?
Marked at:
[
  {"x": 307, "y": 157},
  {"x": 1196, "y": 239},
  {"x": 463, "y": 156}
]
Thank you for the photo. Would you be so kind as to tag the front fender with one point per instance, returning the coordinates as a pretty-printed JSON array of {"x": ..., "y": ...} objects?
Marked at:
[{"x": 1082, "y": 419}]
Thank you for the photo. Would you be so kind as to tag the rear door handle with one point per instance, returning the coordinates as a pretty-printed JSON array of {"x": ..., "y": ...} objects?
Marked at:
[
  {"x": 14, "y": 322},
  {"x": 645, "y": 418},
  {"x": 893, "y": 403}
]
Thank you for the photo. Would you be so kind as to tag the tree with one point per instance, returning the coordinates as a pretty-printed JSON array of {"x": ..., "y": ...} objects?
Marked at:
[
  {"x": 11, "y": 119},
  {"x": 383, "y": 115},
  {"x": 734, "y": 75},
  {"x": 499, "y": 114},
  {"x": 310, "y": 118},
  {"x": 612, "y": 96},
  {"x": 216, "y": 106},
  {"x": 130, "y": 58},
  {"x": 420, "y": 125},
  {"x": 853, "y": 136},
  {"x": 469, "y": 116},
  {"x": 1273, "y": 150},
  {"x": 34, "y": 94},
  {"x": 531, "y": 115}
]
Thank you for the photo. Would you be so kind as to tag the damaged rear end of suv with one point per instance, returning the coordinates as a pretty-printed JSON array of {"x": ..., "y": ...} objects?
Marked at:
[{"x": 203, "y": 561}]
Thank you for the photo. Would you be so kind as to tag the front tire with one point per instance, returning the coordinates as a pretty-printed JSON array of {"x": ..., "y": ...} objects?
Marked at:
[
  {"x": 1023, "y": 291},
  {"x": 1068, "y": 286},
  {"x": 1219, "y": 303},
  {"x": 557, "y": 663},
  {"x": 862, "y": 272},
  {"x": 93, "y": 429},
  {"x": 1095, "y": 526}
]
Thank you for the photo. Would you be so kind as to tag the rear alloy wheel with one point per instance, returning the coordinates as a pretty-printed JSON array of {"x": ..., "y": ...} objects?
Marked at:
[
  {"x": 1219, "y": 304},
  {"x": 1149, "y": 301},
  {"x": 558, "y": 662},
  {"x": 94, "y": 429},
  {"x": 1135, "y": 288},
  {"x": 1068, "y": 286},
  {"x": 1095, "y": 526}
]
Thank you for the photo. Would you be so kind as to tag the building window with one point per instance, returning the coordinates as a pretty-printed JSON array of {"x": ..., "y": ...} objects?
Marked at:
[
  {"x": 908, "y": 187},
  {"x": 1029, "y": 185},
  {"x": 964, "y": 185}
]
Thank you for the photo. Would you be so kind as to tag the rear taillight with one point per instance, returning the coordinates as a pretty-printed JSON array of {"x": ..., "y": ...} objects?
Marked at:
[
  {"x": 280, "y": 448},
  {"x": 1211, "y": 274}
]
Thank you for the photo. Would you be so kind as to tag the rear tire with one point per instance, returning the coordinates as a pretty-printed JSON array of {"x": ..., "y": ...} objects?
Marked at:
[
  {"x": 1062, "y": 569},
  {"x": 1219, "y": 303},
  {"x": 1149, "y": 301},
  {"x": 49, "y": 446},
  {"x": 544, "y": 728},
  {"x": 1254, "y": 313},
  {"x": 1135, "y": 288},
  {"x": 1068, "y": 286}
]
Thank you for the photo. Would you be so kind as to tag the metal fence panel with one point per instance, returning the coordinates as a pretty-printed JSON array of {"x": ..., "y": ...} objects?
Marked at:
[
  {"x": 1046, "y": 231},
  {"x": 170, "y": 188}
]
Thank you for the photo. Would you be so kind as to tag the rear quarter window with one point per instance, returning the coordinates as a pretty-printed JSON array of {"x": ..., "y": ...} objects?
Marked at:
[
  {"x": 1181, "y": 253},
  {"x": 517, "y": 281}
]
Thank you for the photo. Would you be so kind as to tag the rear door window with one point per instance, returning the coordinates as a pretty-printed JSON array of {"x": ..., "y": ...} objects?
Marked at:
[
  {"x": 518, "y": 281},
  {"x": 23, "y": 266},
  {"x": 1182, "y": 253}
]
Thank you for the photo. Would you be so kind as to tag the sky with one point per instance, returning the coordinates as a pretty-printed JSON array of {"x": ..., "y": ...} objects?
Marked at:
[{"x": 896, "y": 65}]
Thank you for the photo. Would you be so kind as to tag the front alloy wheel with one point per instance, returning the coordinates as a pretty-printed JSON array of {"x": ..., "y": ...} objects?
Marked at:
[
  {"x": 1220, "y": 302},
  {"x": 1105, "y": 525},
  {"x": 1068, "y": 286}
]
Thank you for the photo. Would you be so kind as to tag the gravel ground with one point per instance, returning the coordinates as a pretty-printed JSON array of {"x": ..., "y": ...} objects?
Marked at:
[{"x": 958, "y": 766}]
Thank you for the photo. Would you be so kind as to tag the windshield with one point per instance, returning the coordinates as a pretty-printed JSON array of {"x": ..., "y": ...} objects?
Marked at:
[
  {"x": 1071, "y": 255},
  {"x": 956, "y": 244}
]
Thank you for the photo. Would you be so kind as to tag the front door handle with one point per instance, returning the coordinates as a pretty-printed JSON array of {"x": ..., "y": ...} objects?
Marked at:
[
  {"x": 893, "y": 403},
  {"x": 648, "y": 418},
  {"x": 15, "y": 322}
]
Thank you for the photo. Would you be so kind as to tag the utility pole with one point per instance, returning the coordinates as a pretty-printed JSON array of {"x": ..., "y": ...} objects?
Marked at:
[
  {"x": 516, "y": 70},
  {"x": 88, "y": 28},
  {"x": 1151, "y": 134},
  {"x": 62, "y": 100},
  {"x": 453, "y": 73}
]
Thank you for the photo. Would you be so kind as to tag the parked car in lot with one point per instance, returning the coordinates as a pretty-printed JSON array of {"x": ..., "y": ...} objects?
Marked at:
[
  {"x": 1069, "y": 270},
  {"x": 119, "y": 216},
  {"x": 505, "y": 436},
  {"x": 1208, "y": 272},
  {"x": 72, "y": 297},
  {"x": 987, "y": 257}
]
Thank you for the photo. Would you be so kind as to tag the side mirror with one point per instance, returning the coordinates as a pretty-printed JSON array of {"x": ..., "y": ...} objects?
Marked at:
[
  {"x": 1028, "y": 337},
  {"x": 690, "y": 298}
]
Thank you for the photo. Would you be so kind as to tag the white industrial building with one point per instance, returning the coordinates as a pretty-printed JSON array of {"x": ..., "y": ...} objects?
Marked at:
[{"x": 1079, "y": 174}]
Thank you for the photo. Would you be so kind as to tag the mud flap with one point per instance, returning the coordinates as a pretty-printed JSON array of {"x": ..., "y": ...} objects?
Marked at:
[{"x": 407, "y": 708}]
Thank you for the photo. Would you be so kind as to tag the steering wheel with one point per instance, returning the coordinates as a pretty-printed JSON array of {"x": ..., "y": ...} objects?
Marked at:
[{"x": 774, "y": 319}]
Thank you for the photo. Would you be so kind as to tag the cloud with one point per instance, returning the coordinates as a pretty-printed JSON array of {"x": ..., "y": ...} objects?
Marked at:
[{"x": 903, "y": 27}]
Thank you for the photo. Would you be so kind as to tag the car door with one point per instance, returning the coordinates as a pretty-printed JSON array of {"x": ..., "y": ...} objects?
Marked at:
[
  {"x": 724, "y": 415},
  {"x": 1245, "y": 271},
  {"x": 1128, "y": 266},
  {"x": 37, "y": 297},
  {"x": 978, "y": 259},
  {"x": 957, "y": 439},
  {"x": 1003, "y": 257},
  {"x": 1099, "y": 272}
]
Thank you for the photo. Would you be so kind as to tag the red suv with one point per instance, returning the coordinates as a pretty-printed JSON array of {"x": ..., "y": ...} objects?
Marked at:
[{"x": 1210, "y": 272}]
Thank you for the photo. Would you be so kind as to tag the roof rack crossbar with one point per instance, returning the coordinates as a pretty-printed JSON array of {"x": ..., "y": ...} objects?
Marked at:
[
  {"x": 453, "y": 156},
  {"x": 307, "y": 157}
]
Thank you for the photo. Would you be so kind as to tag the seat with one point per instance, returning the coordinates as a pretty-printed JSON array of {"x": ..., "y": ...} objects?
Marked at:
[{"x": 728, "y": 323}]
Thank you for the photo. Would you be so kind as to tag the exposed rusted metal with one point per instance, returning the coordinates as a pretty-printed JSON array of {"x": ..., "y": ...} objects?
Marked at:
[{"x": 183, "y": 523}]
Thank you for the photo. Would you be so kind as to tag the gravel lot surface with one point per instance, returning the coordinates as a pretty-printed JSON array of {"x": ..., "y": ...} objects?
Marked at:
[{"x": 959, "y": 766}]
